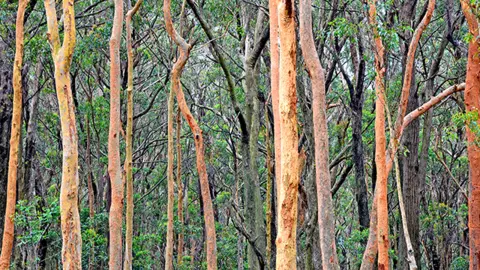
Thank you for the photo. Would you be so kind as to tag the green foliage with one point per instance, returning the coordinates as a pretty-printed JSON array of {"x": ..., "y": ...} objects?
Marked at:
[
  {"x": 34, "y": 222},
  {"x": 460, "y": 263},
  {"x": 341, "y": 27}
]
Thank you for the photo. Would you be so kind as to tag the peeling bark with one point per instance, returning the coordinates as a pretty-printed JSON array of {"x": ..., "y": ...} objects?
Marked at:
[{"x": 287, "y": 192}]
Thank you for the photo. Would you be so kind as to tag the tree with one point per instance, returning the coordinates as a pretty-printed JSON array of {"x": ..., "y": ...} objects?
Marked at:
[
  {"x": 380, "y": 143},
  {"x": 114, "y": 168},
  {"x": 326, "y": 219},
  {"x": 127, "y": 265},
  {"x": 184, "y": 51},
  {"x": 8, "y": 231},
  {"x": 287, "y": 192},
  {"x": 181, "y": 235},
  {"x": 376, "y": 221},
  {"x": 472, "y": 103},
  {"x": 62, "y": 58}
]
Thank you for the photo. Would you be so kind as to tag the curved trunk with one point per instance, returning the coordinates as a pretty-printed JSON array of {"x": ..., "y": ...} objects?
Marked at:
[
  {"x": 184, "y": 52},
  {"x": 371, "y": 248},
  {"x": 287, "y": 192},
  {"x": 8, "y": 230},
  {"x": 62, "y": 55},
  {"x": 326, "y": 220}
]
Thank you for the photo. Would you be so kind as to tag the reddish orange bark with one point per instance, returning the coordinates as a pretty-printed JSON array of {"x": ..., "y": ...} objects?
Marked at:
[
  {"x": 114, "y": 167},
  {"x": 287, "y": 191},
  {"x": 184, "y": 52},
  {"x": 274, "y": 80},
  {"x": 371, "y": 249},
  {"x": 472, "y": 104},
  {"x": 380, "y": 144},
  {"x": 8, "y": 229}
]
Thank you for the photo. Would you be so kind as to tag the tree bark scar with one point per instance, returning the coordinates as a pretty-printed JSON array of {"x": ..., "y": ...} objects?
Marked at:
[{"x": 289, "y": 8}]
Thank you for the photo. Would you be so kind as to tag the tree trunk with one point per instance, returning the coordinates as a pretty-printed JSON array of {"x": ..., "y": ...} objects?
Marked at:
[
  {"x": 62, "y": 56},
  {"x": 326, "y": 219},
  {"x": 356, "y": 104},
  {"x": 274, "y": 84},
  {"x": 30, "y": 162},
  {"x": 114, "y": 167},
  {"x": 254, "y": 209},
  {"x": 128, "y": 260},
  {"x": 268, "y": 196},
  {"x": 410, "y": 185},
  {"x": 380, "y": 145},
  {"x": 91, "y": 195},
  {"x": 6, "y": 107},
  {"x": 287, "y": 192},
  {"x": 170, "y": 181},
  {"x": 184, "y": 51},
  {"x": 181, "y": 235},
  {"x": 8, "y": 230},
  {"x": 472, "y": 103},
  {"x": 399, "y": 126}
]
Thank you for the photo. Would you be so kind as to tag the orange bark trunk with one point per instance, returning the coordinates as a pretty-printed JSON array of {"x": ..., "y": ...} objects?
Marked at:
[
  {"x": 472, "y": 104},
  {"x": 380, "y": 144},
  {"x": 371, "y": 249},
  {"x": 287, "y": 191},
  {"x": 8, "y": 229},
  {"x": 114, "y": 167},
  {"x": 184, "y": 52},
  {"x": 274, "y": 80}
]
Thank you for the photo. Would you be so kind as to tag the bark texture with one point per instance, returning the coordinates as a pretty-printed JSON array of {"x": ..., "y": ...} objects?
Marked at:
[
  {"x": 380, "y": 144},
  {"x": 287, "y": 192},
  {"x": 184, "y": 51},
  {"x": 127, "y": 264},
  {"x": 371, "y": 249},
  {"x": 326, "y": 219},
  {"x": 62, "y": 57},
  {"x": 15, "y": 135},
  {"x": 114, "y": 167},
  {"x": 181, "y": 220},
  {"x": 472, "y": 104}
]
